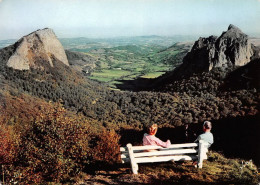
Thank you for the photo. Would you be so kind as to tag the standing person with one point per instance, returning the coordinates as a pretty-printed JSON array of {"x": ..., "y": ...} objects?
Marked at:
[
  {"x": 150, "y": 139},
  {"x": 207, "y": 136}
]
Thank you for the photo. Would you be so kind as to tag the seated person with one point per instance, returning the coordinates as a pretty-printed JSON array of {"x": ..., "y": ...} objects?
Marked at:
[
  {"x": 150, "y": 139},
  {"x": 207, "y": 136}
]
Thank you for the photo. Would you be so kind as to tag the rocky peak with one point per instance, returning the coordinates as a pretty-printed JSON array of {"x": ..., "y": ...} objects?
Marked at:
[
  {"x": 233, "y": 27},
  {"x": 232, "y": 48},
  {"x": 36, "y": 50},
  {"x": 204, "y": 42}
]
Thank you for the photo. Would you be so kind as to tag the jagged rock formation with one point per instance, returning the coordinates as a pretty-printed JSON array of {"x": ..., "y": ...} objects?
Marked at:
[
  {"x": 35, "y": 49},
  {"x": 225, "y": 53},
  {"x": 232, "y": 48}
]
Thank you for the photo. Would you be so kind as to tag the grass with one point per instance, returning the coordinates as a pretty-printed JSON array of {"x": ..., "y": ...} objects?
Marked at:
[
  {"x": 107, "y": 75},
  {"x": 104, "y": 65},
  {"x": 131, "y": 62},
  {"x": 152, "y": 75},
  {"x": 113, "y": 73},
  {"x": 100, "y": 79},
  {"x": 217, "y": 170}
]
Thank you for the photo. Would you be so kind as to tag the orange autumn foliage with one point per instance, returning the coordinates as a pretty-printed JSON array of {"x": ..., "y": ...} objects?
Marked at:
[{"x": 8, "y": 148}]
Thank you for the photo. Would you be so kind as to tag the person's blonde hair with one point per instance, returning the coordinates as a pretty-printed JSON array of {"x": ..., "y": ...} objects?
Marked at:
[{"x": 152, "y": 129}]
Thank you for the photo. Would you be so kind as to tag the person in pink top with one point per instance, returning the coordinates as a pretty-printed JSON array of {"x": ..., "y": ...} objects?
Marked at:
[{"x": 150, "y": 139}]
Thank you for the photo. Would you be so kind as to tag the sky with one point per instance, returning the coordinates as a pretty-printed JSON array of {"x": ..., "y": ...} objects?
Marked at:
[{"x": 112, "y": 18}]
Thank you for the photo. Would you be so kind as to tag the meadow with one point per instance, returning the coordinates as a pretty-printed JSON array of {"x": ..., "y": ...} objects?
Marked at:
[
  {"x": 133, "y": 62},
  {"x": 121, "y": 59}
]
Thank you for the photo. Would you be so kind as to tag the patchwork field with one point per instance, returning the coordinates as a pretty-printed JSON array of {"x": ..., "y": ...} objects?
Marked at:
[
  {"x": 123, "y": 59},
  {"x": 133, "y": 62}
]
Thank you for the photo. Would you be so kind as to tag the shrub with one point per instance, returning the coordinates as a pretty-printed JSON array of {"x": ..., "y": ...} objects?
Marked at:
[
  {"x": 54, "y": 146},
  {"x": 7, "y": 146},
  {"x": 8, "y": 152},
  {"x": 106, "y": 147}
]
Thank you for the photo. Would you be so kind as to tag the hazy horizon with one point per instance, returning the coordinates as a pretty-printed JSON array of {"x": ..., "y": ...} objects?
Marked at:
[{"x": 127, "y": 18}]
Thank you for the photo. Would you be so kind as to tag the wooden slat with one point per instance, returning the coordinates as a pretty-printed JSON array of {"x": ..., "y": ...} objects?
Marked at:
[
  {"x": 166, "y": 152},
  {"x": 123, "y": 149},
  {"x": 149, "y": 147},
  {"x": 126, "y": 152},
  {"x": 165, "y": 158},
  {"x": 123, "y": 156},
  {"x": 126, "y": 160}
]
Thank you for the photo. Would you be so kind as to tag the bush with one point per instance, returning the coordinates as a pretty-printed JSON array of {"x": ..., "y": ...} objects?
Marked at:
[
  {"x": 106, "y": 147},
  {"x": 8, "y": 152},
  {"x": 7, "y": 146},
  {"x": 54, "y": 147}
]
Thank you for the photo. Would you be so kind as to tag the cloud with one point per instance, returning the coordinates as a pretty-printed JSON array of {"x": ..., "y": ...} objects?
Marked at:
[{"x": 0, "y": 1}]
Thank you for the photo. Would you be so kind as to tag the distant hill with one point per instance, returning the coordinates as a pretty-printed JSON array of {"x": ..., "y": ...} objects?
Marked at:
[{"x": 87, "y": 44}]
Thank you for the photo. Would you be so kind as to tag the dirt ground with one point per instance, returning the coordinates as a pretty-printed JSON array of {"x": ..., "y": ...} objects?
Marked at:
[{"x": 215, "y": 171}]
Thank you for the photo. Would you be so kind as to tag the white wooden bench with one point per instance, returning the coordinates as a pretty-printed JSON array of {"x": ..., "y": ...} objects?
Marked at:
[{"x": 177, "y": 152}]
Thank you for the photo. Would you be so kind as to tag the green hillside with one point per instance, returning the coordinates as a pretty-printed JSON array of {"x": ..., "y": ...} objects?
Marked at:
[{"x": 135, "y": 61}]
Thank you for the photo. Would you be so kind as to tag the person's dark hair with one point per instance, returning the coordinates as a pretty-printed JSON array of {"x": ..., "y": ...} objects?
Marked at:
[{"x": 207, "y": 124}]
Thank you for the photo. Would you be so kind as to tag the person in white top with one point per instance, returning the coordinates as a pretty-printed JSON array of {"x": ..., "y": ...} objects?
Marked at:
[{"x": 207, "y": 136}]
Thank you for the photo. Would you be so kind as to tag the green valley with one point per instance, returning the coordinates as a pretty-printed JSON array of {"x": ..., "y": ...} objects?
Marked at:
[{"x": 122, "y": 59}]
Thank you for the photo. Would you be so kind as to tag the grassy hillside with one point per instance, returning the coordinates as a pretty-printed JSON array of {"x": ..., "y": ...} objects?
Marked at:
[
  {"x": 135, "y": 61},
  {"x": 217, "y": 170}
]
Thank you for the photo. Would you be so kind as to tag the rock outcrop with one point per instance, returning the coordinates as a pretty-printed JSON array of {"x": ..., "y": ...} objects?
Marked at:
[
  {"x": 232, "y": 48},
  {"x": 36, "y": 50}
]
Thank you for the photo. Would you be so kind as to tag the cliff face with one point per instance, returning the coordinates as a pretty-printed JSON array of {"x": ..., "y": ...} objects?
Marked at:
[
  {"x": 35, "y": 49},
  {"x": 232, "y": 48}
]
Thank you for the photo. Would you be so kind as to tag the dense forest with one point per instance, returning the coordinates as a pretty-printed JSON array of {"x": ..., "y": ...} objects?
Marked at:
[{"x": 193, "y": 100}]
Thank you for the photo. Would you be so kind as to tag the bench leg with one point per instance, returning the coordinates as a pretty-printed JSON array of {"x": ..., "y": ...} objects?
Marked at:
[
  {"x": 134, "y": 168},
  {"x": 201, "y": 154},
  {"x": 134, "y": 165}
]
